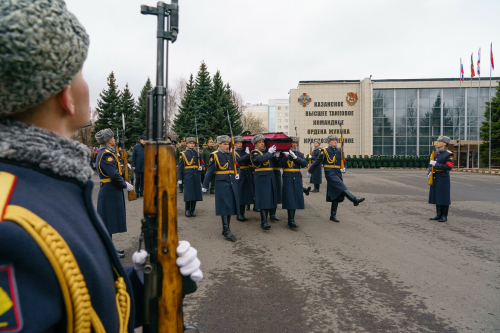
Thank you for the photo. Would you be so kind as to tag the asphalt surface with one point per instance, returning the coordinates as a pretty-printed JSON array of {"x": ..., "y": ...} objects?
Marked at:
[{"x": 384, "y": 268}]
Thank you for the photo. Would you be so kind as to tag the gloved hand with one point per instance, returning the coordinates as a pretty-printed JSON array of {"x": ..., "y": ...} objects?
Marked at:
[
  {"x": 286, "y": 153},
  {"x": 130, "y": 187},
  {"x": 237, "y": 176},
  {"x": 179, "y": 182},
  {"x": 293, "y": 154},
  {"x": 138, "y": 259},
  {"x": 272, "y": 150},
  {"x": 204, "y": 190},
  {"x": 200, "y": 168},
  {"x": 188, "y": 261},
  {"x": 129, "y": 166},
  {"x": 308, "y": 174},
  {"x": 247, "y": 150},
  {"x": 310, "y": 156},
  {"x": 277, "y": 154},
  {"x": 432, "y": 163},
  {"x": 342, "y": 170}
]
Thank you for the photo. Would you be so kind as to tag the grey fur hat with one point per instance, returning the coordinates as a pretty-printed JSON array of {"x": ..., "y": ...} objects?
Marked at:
[
  {"x": 317, "y": 140},
  {"x": 445, "y": 139},
  {"x": 191, "y": 139},
  {"x": 104, "y": 135},
  {"x": 295, "y": 139},
  {"x": 42, "y": 48},
  {"x": 238, "y": 138},
  {"x": 223, "y": 138},
  {"x": 257, "y": 138},
  {"x": 332, "y": 137}
]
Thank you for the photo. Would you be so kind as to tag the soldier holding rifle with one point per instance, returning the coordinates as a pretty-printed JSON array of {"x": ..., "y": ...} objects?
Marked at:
[
  {"x": 439, "y": 178},
  {"x": 58, "y": 265},
  {"x": 189, "y": 172},
  {"x": 245, "y": 183},
  {"x": 316, "y": 176}
]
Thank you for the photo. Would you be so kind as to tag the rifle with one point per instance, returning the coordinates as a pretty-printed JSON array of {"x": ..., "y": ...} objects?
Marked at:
[
  {"x": 232, "y": 144},
  {"x": 431, "y": 177},
  {"x": 131, "y": 194},
  {"x": 197, "y": 145},
  {"x": 310, "y": 151},
  {"x": 341, "y": 145},
  {"x": 117, "y": 151},
  {"x": 162, "y": 278}
]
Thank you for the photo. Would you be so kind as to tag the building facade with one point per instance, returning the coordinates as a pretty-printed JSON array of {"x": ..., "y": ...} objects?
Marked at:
[{"x": 392, "y": 117}]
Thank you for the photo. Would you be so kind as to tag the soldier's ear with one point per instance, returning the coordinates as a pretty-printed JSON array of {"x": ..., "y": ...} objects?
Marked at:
[{"x": 65, "y": 101}]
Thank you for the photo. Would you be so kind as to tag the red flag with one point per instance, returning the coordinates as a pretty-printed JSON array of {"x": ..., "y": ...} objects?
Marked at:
[
  {"x": 472, "y": 73},
  {"x": 491, "y": 52}
]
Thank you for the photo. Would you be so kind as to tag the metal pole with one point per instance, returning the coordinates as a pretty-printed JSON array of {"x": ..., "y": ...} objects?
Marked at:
[
  {"x": 489, "y": 153},
  {"x": 167, "y": 120},
  {"x": 478, "y": 103},
  {"x": 160, "y": 72}
]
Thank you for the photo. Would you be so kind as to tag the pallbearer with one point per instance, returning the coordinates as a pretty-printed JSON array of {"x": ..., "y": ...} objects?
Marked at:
[
  {"x": 245, "y": 183},
  {"x": 332, "y": 160},
  {"x": 439, "y": 178},
  {"x": 188, "y": 172},
  {"x": 221, "y": 168},
  {"x": 292, "y": 192},
  {"x": 316, "y": 177},
  {"x": 266, "y": 190}
]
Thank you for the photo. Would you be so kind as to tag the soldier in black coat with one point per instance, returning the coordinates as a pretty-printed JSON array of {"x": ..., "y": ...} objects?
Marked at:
[
  {"x": 439, "y": 192},
  {"x": 138, "y": 166},
  {"x": 266, "y": 189},
  {"x": 189, "y": 172},
  {"x": 245, "y": 183},
  {"x": 332, "y": 160},
  {"x": 316, "y": 176},
  {"x": 222, "y": 168}
]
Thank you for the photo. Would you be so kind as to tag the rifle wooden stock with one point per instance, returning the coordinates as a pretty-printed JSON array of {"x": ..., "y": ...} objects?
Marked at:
[
  {"x": 342, "y": 152},
  {"x": 431, "y": 176},
  {"x": 232, "y": 153},
  {"x": 150, "y": 151},
  {"x": 310, "y": 153},
  {"x": 131, "y": 194}
]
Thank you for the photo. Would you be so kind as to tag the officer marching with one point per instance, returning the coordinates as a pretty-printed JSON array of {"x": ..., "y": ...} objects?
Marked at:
[
  {"x": 111, "y": 201},
  {"x": 266, "y": 189},
  {"x": 439, "y": 178},
  {"x": 292, "y": 191},
  {"x": 222, "y": 169},
  {"x": 316, "y": 177},
  {"x": 332, "y": 159},
  {"x": 188, "y": 173},
  {"x": 206, "y": 157},
  {"x": 245, "y": 183},
  {"x": 178, "y": 152}
]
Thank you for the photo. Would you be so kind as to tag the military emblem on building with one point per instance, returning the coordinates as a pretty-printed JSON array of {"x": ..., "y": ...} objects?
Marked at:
[
  {"x": 351, "y": 98},
  {"x": 304, "y": 99}
]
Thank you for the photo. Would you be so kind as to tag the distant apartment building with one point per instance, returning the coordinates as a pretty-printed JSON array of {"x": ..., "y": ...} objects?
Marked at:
[{"x": 275, "y": 115}]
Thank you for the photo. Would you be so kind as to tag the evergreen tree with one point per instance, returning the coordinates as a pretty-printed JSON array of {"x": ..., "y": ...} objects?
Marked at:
[
  {"x": 129, "y": 110},
  {"x": 108, "y": 108},
  {"x": 184, "y": 120},
  {"x": 137, "y": 126},
  {"x": 202, "y": 91},
  {"x": 215, "y": 114},
  {"x": 494, "y": 108},
  {"x": 234, "y": 113}
]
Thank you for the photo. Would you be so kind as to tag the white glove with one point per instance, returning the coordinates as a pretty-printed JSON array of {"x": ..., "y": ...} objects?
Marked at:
[
  {"x": 342, "y": 170},
  {"x": 433, "y": 163},
  {"x": 293, "y": 154},
  {"x": 272, "y": 150},
  {"x": 247, "y": 150},
  {"x": 138, "y": 259},
  {"x": 231, "y": 149},
  {"x": 179, "y": 182},
  {"x": 286, "y": 153},
  {"x": 277, "y": 154},
  {"x": 310, "y": 156},
  {"x": 237, "y": 176},
  {"x": 200, "y": 168},
  {"x": 309, "y": 175},
  {"x": 188, "y": 261},
  {"x": 130, "y": 187},
  {"x": 204, "y": 190},
  {"x": 129, "y": 166}
]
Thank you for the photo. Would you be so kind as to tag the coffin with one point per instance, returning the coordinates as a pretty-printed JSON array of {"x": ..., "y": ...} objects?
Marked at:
[{"x": 282, "y": 141}]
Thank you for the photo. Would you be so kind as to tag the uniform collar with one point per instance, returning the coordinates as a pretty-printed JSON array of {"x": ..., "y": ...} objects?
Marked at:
[
  {"x": 331, "y": 146},
  {"x": 45, "y": 150},
  {"x": 223, "y": 151}
]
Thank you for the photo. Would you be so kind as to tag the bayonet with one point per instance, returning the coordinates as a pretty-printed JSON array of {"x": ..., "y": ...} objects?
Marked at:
[{"x": 232, "y": 143}]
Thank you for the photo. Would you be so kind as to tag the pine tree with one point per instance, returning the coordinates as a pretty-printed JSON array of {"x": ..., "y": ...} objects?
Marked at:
[
  {"x": 184, "y": 120},
  {"x": 108, "y": 108},
  {"x": 137, "y": 126},
  {"x": 494, "y": 106},
  {"x": 202, "y": 91},
  {"x": 129, "y": 110},
  {"x": 234, "y": 113},
  {"x": 215, "y": 114}
]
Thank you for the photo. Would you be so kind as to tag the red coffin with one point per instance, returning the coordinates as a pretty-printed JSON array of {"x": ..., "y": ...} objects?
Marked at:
[{"x": 282, "y": 141}]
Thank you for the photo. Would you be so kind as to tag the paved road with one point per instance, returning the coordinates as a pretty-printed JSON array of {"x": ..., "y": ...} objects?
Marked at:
[{"x": 384, "y": 268}]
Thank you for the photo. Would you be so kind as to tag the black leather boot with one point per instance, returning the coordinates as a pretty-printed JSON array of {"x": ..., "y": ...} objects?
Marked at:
[
  {"x": 291, "y": 219},
  {"x": 193, "y": 207},
  {"x": 439, "y": 212},
  {"x": 188, "y": 208},
  {"x": 444, "y": 215},
  {"x": 248, "y": 207},
  {"x": 255, "y": 209},
  {"x": 225, "y": 228},
  {"x": 242, "y": 217},
  {"x": 352, "y": 198},
  {"x": 333, "y": 211},
  {"x": 316, "y": 188},
  {"x": 272, "y": 215},
  {"x": 263, "y": 220},
  {"x": 306, "y": 190}
]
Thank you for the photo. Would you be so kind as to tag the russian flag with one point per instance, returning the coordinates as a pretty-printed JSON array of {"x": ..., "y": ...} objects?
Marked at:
[
  {"x": 472, "y": 73},
  {"x": 478, "y": 63},
  {"x": 461, "y": 70},
  {"x": 491, "y": 52}
]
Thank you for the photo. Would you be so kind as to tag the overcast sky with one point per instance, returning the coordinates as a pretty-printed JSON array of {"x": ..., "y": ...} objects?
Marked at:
[{"x": 264, "y": 48}]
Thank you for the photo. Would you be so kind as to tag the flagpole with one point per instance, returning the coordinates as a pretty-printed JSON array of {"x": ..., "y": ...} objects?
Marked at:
[
  {"x": 459, "y": 129},
  {"x": 478, "y": 103},
  {"x": 489, "y": 153}
]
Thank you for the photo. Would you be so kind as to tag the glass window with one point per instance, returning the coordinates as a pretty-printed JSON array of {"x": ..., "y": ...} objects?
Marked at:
[
  {"x": 378, "y": 122},
  {"x": 447, "y": 102},
  {"x": 286, "y": 126},
  {"x": 424, "y": 121},
  {"x": 400, "y": 150},
  {"x": 388, "y": 131},
  {"x": 279, "y": 127},
  {"x": 388, "y": 141},
  {"x": 378, "y": 112},
  {"x": 286, "y": 133},
  {"x": 472, "y": 109},
  {"x": 279, "y": 107},
  {"x": 424, "y": 93},
  {"x": 401, "y": 112},
  {"x": 388, "y": 121},
  {"x": 286, "y": 108},
  {"x": 424, "y": 150},
  {"x": 411, "y": 131},
  {"x": 400, "y": 103},
  {"x": 378, "y": 103},
  {"x": 423, "y": 102},
  {"x": 411, "y": 141},
  {"x": 377, "y": 130},
  {"x": 401, "y": 141},
  {"x": 279, "y": 114},
  {"x": 279, "y": 120},
  {"x": 286, "y": 120},
  {"x": 448, "y": 131},
  {"x": 387, "y": 150},
  {"x": 424, "y": 141},
  {"x": 377, "y": 141},
  {"x": 411, "y": 93},
  {"x": 401, "y": 94},
  {"x": 411, "y": 112},
  {"x": 400, "y": 131},
  {"x": 411, "y": 150},
  {"x": 424, "y": 131},
  {"x": 423, "y": 112},
  {"x": 286, "y": 114},
  {"x": 435, "y": 121},
  {"x": 471, "y": 92},
  {"x": 448, "y": 93},
  {"x": 377, "y": 150},
  {"x": 436, "y": 112}
]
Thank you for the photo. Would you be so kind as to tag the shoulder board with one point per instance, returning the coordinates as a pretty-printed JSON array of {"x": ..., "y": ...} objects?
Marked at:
[
  {"x": 8, "y": 182},
  {"x": 107, "y": 150},
  {"x": 214, "y": 152},
  {"x": 449, "y": 151}
]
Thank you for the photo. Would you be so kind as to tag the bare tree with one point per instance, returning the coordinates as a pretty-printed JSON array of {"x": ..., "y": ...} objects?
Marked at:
[
  {"x": 175, "y": 94},
  {"x": 84, "y": 134},
  {"x": 252, "y": 123}
]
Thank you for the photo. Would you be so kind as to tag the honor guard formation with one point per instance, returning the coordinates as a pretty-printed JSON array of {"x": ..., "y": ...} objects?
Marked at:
[{"x": 68, "y": 274}]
